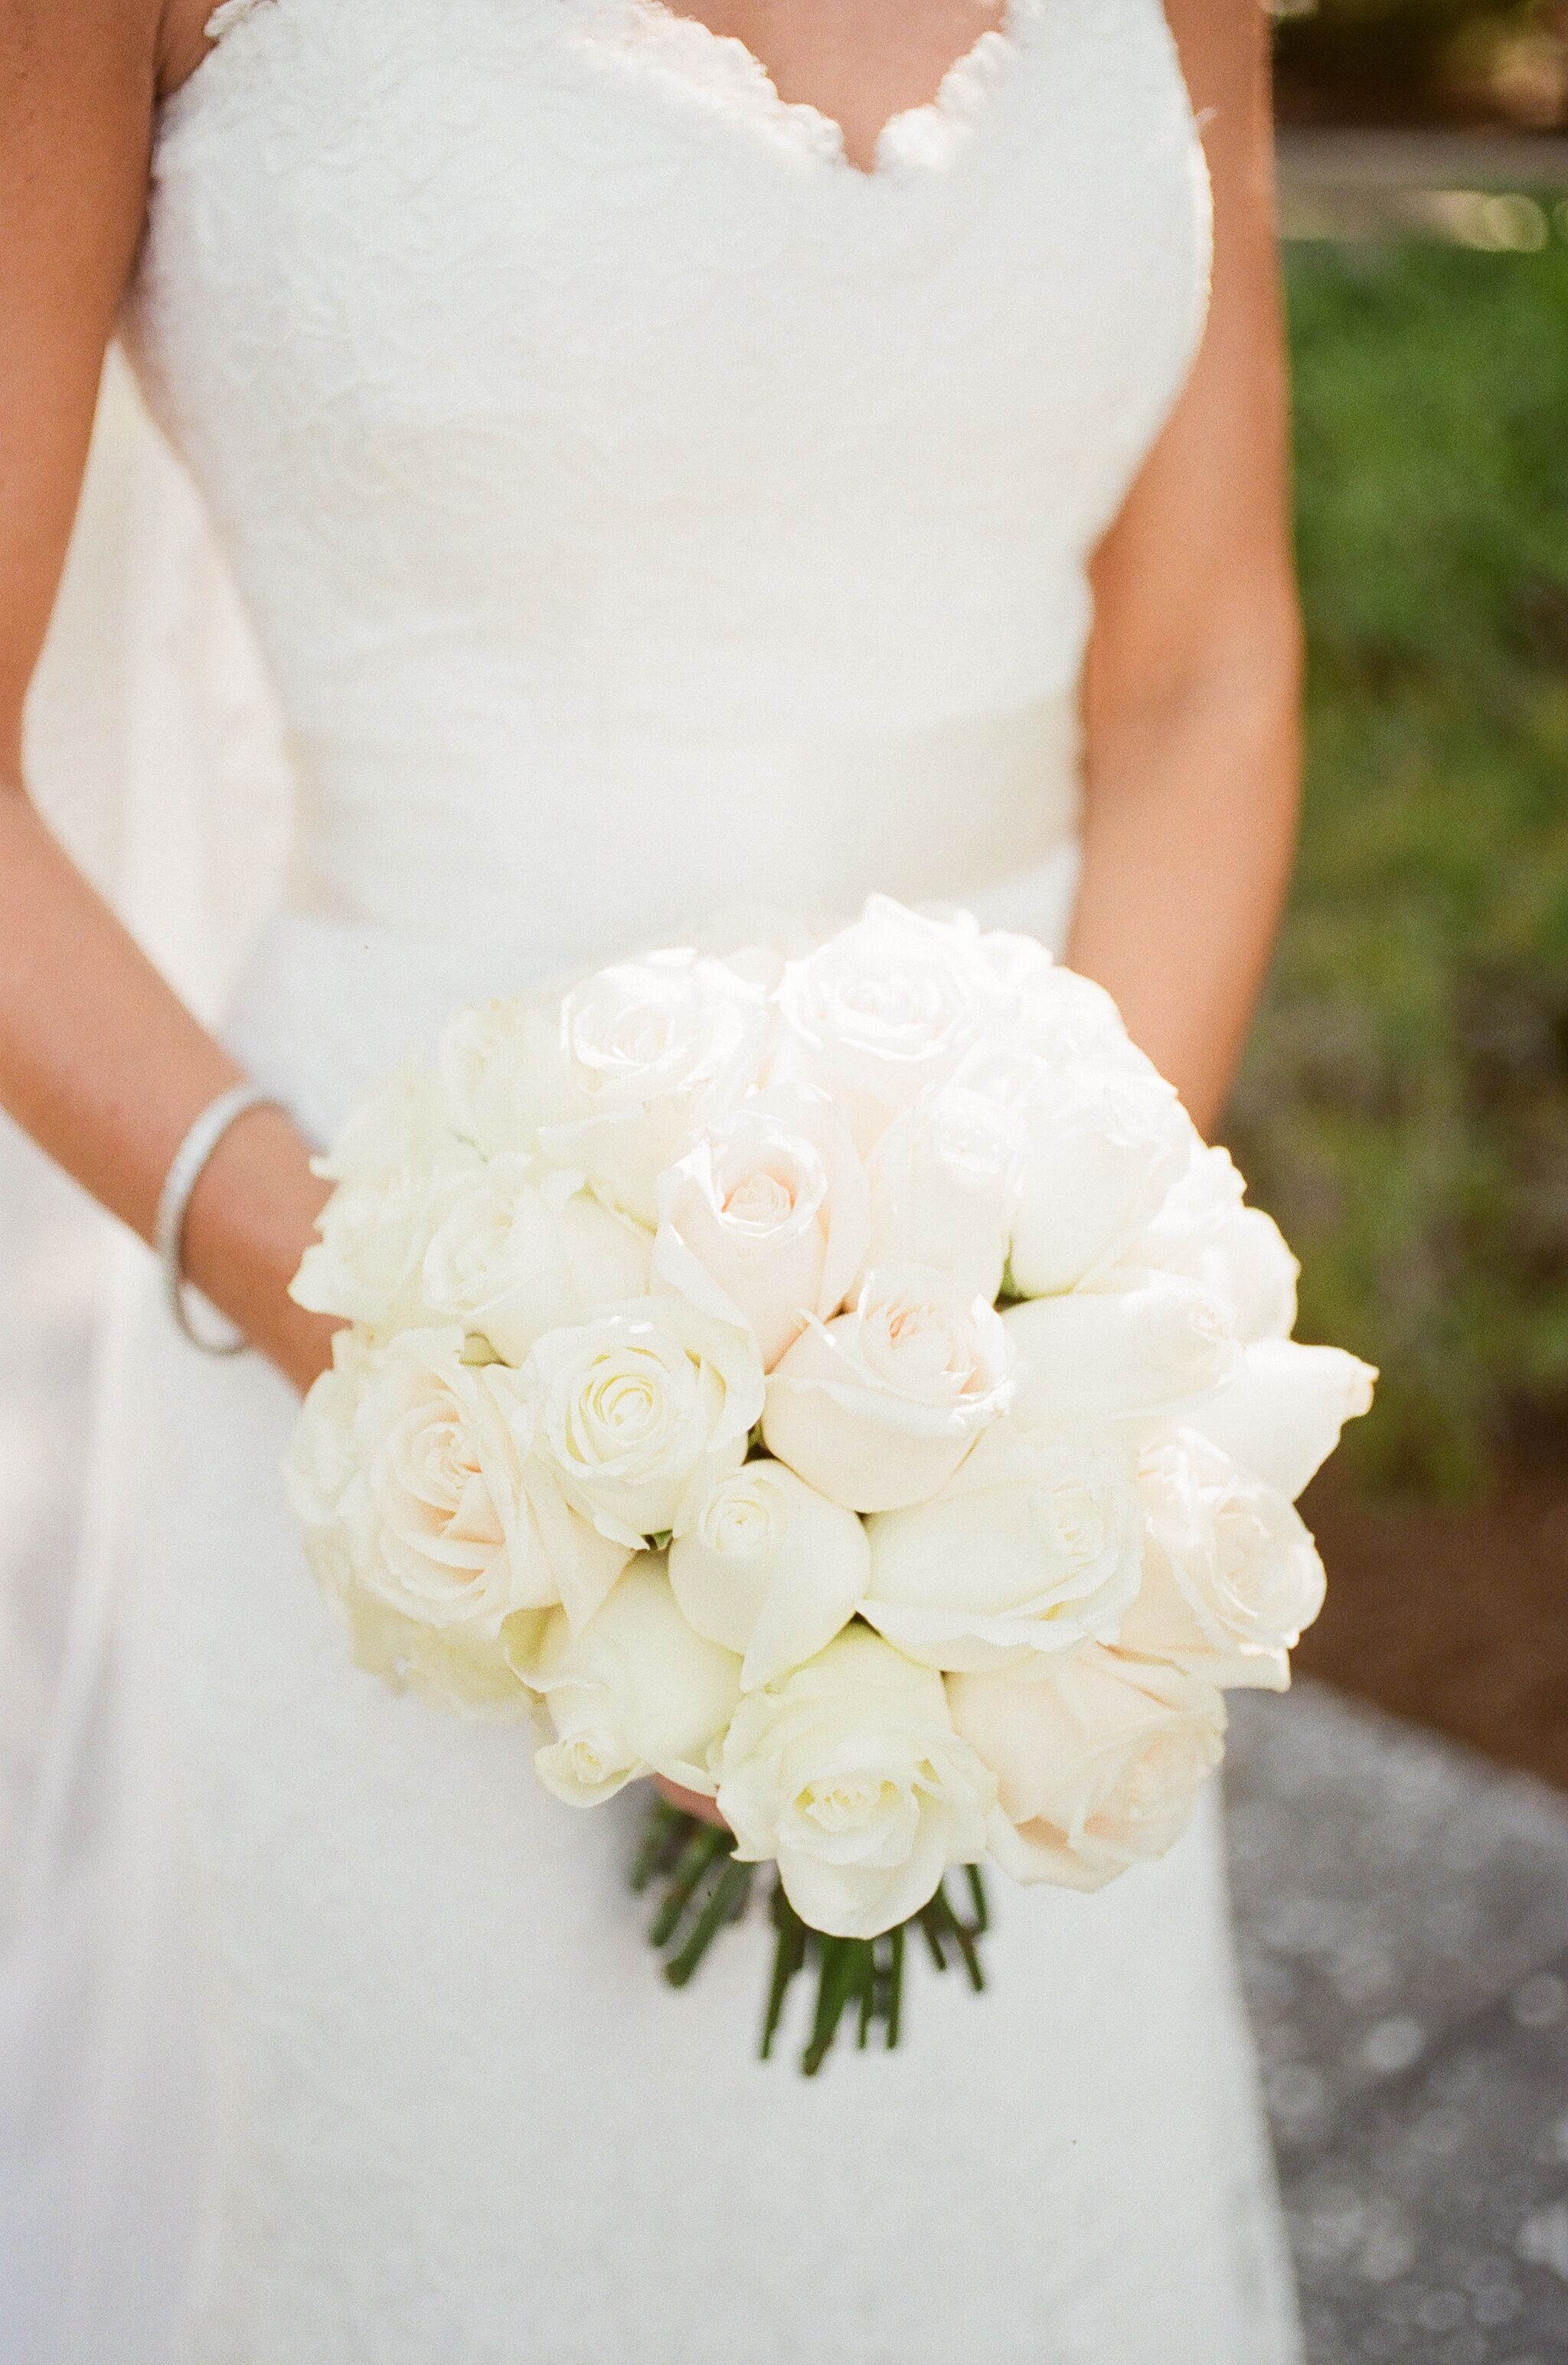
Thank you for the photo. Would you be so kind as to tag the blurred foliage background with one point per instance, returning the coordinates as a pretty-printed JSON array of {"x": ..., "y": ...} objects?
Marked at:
[
  {"x": 1434, "y": 61},
  {"x": 1404, "y": 1108}
]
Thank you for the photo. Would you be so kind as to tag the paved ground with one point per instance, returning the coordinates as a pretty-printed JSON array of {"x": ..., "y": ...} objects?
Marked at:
[
  {"x": 1403, "y": 1907},
  {"x": 1493, "y": 190}
]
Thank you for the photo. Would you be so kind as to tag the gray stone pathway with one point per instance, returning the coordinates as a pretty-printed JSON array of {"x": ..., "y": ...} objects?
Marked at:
[{"x": 1402, "y": 1910}]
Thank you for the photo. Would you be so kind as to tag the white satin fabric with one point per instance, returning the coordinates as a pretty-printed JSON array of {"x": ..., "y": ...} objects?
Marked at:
[
  {"x": 640, "y": 513},
  {"x": 153, "y": 747}
]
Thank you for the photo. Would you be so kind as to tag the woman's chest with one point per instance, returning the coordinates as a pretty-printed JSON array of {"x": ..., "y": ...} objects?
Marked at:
[
  {"x": 518, "y": 292},
  {"x": 522, "y": 201}
]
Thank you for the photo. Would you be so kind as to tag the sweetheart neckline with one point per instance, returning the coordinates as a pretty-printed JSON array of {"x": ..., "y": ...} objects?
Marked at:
[
  {"x": 721, "y": 65},
  {"x": 958, "y": 99}
]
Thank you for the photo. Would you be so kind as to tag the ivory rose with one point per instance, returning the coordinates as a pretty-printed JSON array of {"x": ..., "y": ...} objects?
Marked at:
[
  {"x": 756, "y": 941},
  {"x": 1117, "y": 1355},
  {"x": 443, "y": 1514},
  {"x": 501, "y": 1074},
  {"x": 764, "y": 1564},
  {"x": 645, "y": 1054},
  {"x": 512, "y": 1257},
  {"x": 1055, "y": 1014},
  {"x": 368, "y": 1263},
  {"x": 460, "y": 1670},
  {"x": 1033, "y": 1547},
  {"x": 1282, "y": 1411},
  {"x": 1231, "y": 1574},
  {"x": 1100, "y": 1148},
  {"x": 885, "y": 1008},
  {"x": 944, "y": 1189},
  {"x": 1098, "y": 1764},
  {"x": 635, "y": 1691},
  {"x": 463, "y": 1666},
  {"x": 876, "y": 1408},
  {"x": 763, "y": 1222},
  {"x": 849, "y": 1773},
  {"x": 403, "y": 1121},
  {"x": 1205, "y": 1231},
  {"x": 636, "y": 1411}
]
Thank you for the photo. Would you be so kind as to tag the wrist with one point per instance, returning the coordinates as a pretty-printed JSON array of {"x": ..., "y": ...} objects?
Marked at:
[{"x": 251, "y": 1218}]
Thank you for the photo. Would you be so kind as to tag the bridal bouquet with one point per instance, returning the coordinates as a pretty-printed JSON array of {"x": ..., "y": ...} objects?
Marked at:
[{"x": 834, "y": 1376}]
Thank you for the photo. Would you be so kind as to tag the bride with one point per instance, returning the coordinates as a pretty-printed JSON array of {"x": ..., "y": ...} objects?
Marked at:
[{"x": 672, "y": 458}]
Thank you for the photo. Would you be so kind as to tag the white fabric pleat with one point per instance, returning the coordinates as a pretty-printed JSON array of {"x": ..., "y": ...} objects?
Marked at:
[{"x": 153, "y": 751}]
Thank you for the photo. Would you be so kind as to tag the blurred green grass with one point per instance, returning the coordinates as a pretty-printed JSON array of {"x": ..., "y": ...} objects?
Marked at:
[{"x": 1404, "y": 1106}]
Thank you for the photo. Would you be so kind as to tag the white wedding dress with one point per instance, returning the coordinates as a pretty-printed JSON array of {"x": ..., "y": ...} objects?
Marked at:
[{"x": 643, "y": 513}]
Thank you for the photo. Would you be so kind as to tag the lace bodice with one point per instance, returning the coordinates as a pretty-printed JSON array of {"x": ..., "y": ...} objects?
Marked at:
[{"x": 584, "y": 431}]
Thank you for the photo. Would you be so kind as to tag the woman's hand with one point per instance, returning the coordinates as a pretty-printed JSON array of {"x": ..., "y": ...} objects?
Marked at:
[
  {"x": 690, "y": 1802},
  {"x": 251, "y": 1216}
]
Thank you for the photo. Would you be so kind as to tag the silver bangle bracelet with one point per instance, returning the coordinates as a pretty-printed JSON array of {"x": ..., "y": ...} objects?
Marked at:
[{"x": 186, "y": 1170}]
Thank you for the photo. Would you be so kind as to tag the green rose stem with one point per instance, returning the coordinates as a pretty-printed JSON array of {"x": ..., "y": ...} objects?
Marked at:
[
  {"x": 895, "y": 1984},
  {"x": 663, "y": 1836},
  {"x": 932, "y": 1929},
  {"x": 942, "y": 1924},
  {"x": 705, "y": 1890},
  {"x": 708, "y": 1841},
  {"x": 789, "y": 1957},
  {"x": 725, "y": 1901},
  {"x": 868, "y": 1975}
]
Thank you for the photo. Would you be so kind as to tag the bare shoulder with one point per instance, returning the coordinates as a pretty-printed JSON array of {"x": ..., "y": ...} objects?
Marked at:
[
  {"x": 79, "y": 82},
  {"x": 75, "y": 45}
]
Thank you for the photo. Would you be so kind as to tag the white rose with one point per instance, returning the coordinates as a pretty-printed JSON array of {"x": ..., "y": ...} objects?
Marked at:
[
  {"x": 1133, "y": 1355},
  {"x": 1098, "y": 1764},
  {"x": 1231, "y": 1574},
  {"x": 647, "y": 1053},
  {"x": 635, "y": 1691},
  {"x": 944, "y": 1180},
  {"x": 1035, "y": 1546},
  {"x": 878, "y": 1409},
  {"x": 1282, "y": 1411},
  {"x": 756, "y": 941},
  {"x": 501, "y": 1071},
  {"x": 1234, "y": 1251},
  {"x": 1025, "y": 968},
  {"x": 1058, "y": 1015},
  {"x": 763, "y": 1222},
  {"x": 446, "y": 1517},
  {"x": 884, "y": 1009},
  {"x": 1100, "y": 1148},
  {"x": 671, "y": 1024},
  {"x": 765, "y": 1566},
  {"x": 639, "y": 1410},
  {"x": 465, "y": 1668},
  {"x": 368, "y": 1263},
  {"x": 461, "y": 1670},
  {"x": 513, "y": 1258},
  {"x": 401, "y": 1121},
  {"x": 321, "y": 1458},
  {"x": 848, "y": 1772}
]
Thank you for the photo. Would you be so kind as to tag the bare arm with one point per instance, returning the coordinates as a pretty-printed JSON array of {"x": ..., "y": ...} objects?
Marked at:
[
  {"x": 99, "y": 1060},
  {"x": 1191, "y": 691}
]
